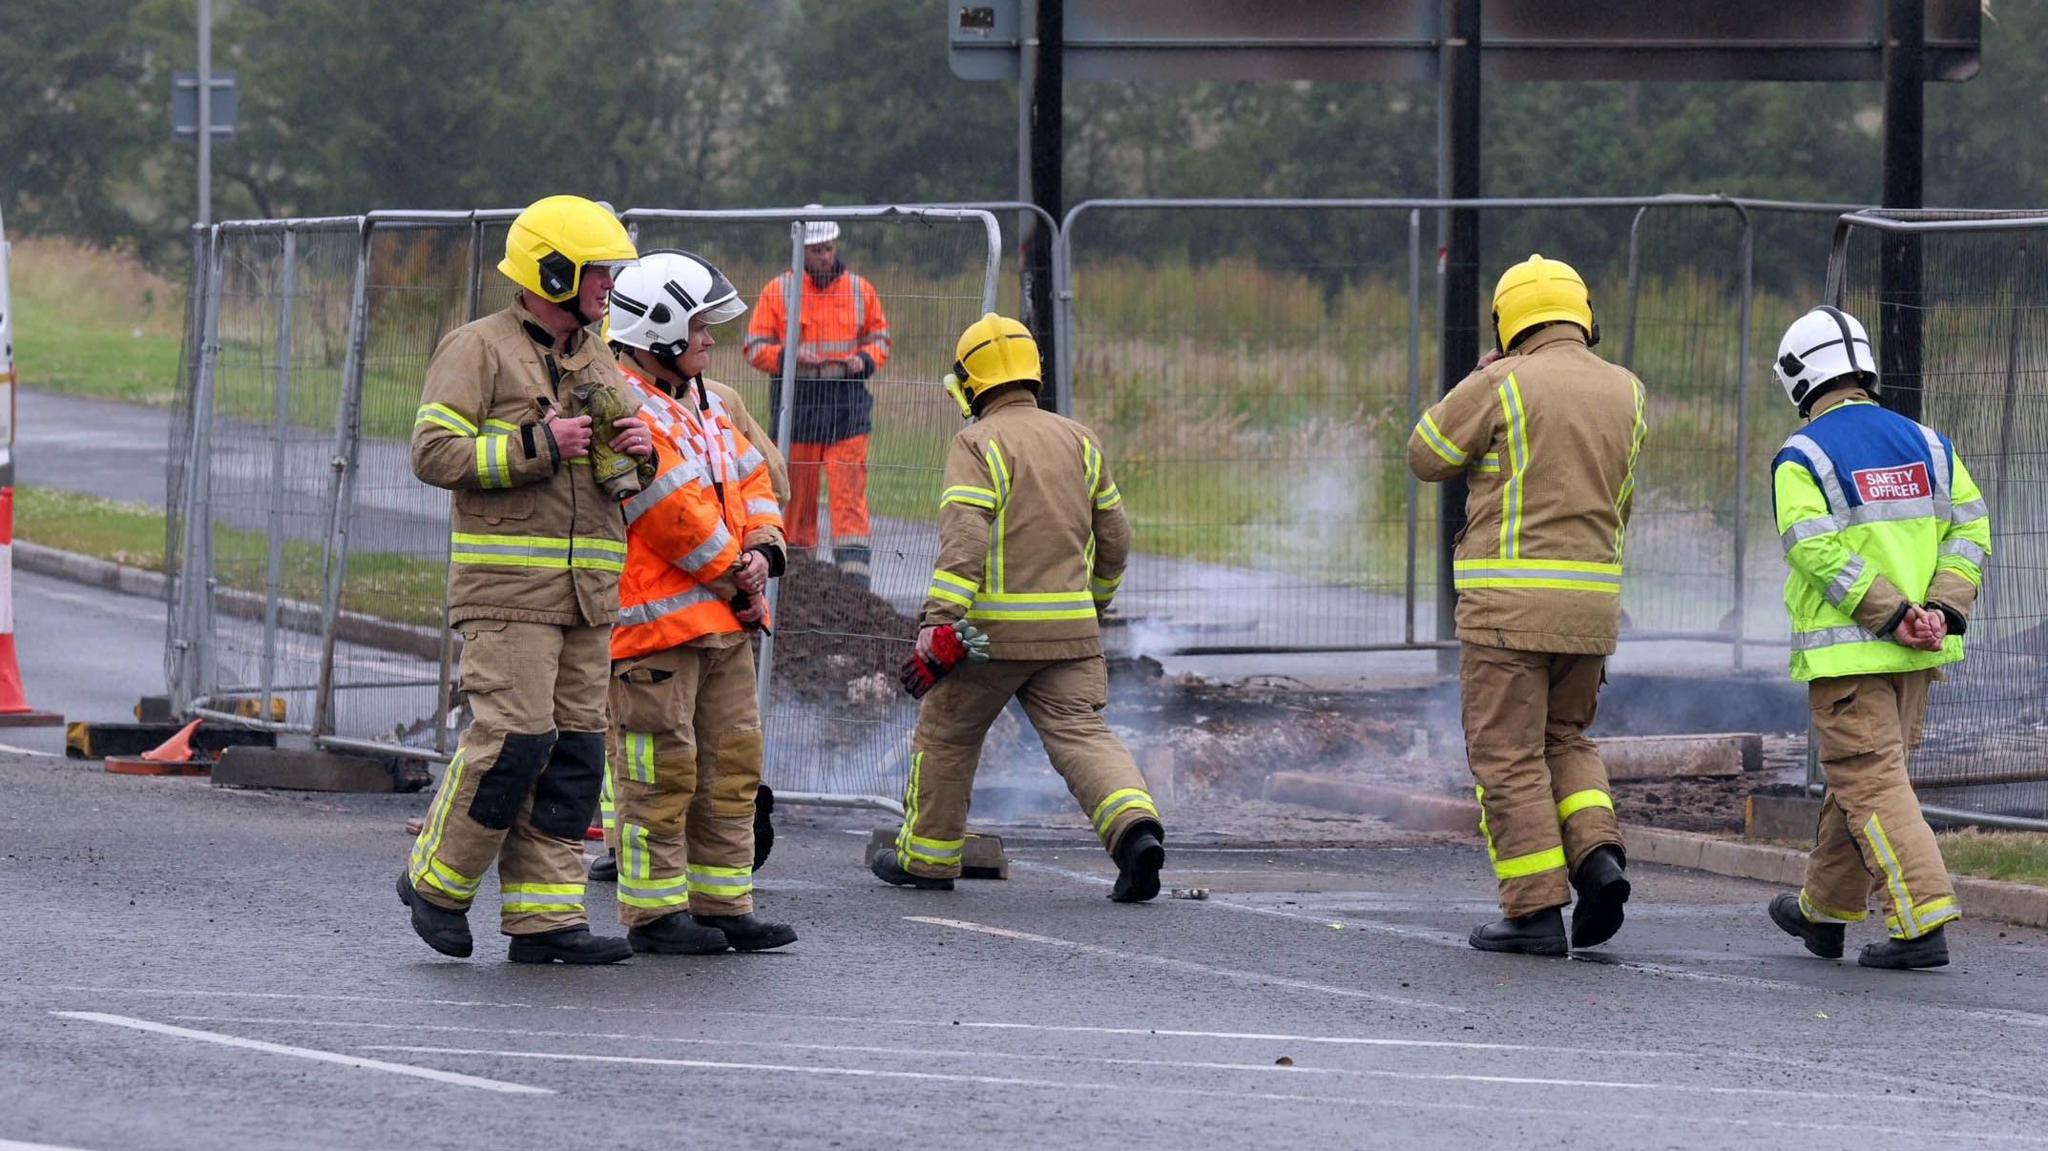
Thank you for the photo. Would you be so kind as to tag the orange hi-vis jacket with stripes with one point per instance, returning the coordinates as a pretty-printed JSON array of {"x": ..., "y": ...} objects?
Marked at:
[
  {"x": 712, "y": 497},
  {"x": 842, "y": 324},
  {"x": 1549, "y": 437}
]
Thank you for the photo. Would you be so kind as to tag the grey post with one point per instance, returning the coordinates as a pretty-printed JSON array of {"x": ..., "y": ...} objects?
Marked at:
[
  {"x": 1414, "y": 397},
  {"x": 1739, "y": 617},
  {"x": 280, "y": 426},
  {"x": 198, "y": 585},
  {"x": 1628, "y": 329},
  {"x": 205, "y": 123},
  {"x": 341, "y": 484},
  {"x": 785, "y": 425}
]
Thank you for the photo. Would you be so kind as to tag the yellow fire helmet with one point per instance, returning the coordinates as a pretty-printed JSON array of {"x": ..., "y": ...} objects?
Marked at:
[
  {"x": 1539, "y": 291},
  {"x": 994, "y": 350},
  {"x": 554, "y": 239}
]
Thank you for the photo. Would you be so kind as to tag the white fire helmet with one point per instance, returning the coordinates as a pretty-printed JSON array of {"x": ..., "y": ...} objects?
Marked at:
[
  {"x": 653, "y": 301},
  {"x": 1823, "y": 345},
  {"x": 819, "y": 231}
]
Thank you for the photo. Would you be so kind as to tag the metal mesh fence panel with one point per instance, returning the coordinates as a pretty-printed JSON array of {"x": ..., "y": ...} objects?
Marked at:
[
  {"x": 835, "y": 722},
  {"x": 392, "y": 660},
  {"x": 1981, "y": 305},
  {"x": 261, "y": 469},
  {"x": 1249, "y": 373}
]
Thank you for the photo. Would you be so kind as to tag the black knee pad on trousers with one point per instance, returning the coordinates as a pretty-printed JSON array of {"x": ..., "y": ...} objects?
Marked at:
[
  {"x": 503, "y": 788},
  {"x": 565, "y": 798}
]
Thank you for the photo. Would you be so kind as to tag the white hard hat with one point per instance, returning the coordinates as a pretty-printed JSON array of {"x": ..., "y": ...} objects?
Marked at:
[
  {"x": 1821, "y": 346},
  {"x": 819, "y": 231},
  {"x": 653, "y": 302}
]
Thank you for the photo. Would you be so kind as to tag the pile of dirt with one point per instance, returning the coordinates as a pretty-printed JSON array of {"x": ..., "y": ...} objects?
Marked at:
[{"x": 836, "y": 642}]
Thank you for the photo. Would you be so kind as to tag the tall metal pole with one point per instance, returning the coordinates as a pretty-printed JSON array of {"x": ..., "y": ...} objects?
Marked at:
[
  {"x": 1457, "y": 179},
  {"x": 1041, "y": 142},
  {"x": 1898, "y": 290},
  {"x": 206, "y": 111}
]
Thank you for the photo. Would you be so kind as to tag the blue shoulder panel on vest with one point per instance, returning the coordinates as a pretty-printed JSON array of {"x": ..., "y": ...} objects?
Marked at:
[{"x": 1878, "y": 445}]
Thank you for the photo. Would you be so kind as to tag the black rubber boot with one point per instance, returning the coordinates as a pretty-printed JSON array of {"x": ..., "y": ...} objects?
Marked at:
[
  {"x": 569, "y": 945},
  {"x": 749, "y": 932},
  {"x": 675, "y": 934},
  {"x": 605, "y": 868},
  {"x": 443, "y": 930},
  {"x": 1539, "y": 934},
  {"x": 853, "y": 564},
  {"x": 1930, "y": 950},
  {"x": 887, "y": 870},
  {"x": 1139, "y": 856},
  {"x": 1602, "y": 885},
  {"x": 1823, "y": 939}
]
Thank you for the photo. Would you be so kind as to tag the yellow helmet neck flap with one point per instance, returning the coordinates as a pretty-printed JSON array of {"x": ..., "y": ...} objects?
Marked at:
[
  {"x": 1537, "y": 292},
  {"x": 993, "y": 351}
]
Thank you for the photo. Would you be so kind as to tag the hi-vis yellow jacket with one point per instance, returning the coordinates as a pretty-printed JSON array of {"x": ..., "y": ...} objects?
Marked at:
[
  {"x": 1876, "y": 513},
  {"x": 534, "y": 540},
  {"x": 1032, "y": 535},
  {"x": 681, "y": 537},
  {"x": 1549, "y": 438}
]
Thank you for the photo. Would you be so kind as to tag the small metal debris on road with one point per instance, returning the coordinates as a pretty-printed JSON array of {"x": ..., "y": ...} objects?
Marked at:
[{"x": 1197, "y": 893}]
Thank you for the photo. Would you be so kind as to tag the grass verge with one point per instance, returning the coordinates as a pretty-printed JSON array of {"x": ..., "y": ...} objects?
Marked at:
[{"x": 2018, "y": 856}]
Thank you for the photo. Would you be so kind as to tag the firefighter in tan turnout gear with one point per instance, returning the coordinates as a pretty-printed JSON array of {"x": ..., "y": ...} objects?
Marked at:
[
  {"x": 702, "y": 541},
  {"x": 1547, "y": 435},
  {"x": 1032, "y": 545},
  {"x": 536, "y": 553}
]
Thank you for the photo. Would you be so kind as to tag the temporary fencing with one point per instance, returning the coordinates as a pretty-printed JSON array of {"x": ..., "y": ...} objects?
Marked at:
[
  {"x": 309, "y": 565},
  {"x": 1965, "y": 322},
  {"x": 1254, "y": 367}
]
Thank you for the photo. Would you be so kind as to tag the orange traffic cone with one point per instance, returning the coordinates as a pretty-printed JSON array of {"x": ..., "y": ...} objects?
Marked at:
[
  {"x": 173, "y": 756},
  {"x": 177, "y": 749},
  {"x": 14, "y": 708}
]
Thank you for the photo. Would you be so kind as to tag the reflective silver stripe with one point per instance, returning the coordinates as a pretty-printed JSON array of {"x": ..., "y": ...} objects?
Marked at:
[
  {"x": 1974, "y": 510},
  {"x": 1574, "y": 574},
  {"x": 1824, "y": 468},
  {"x": 753, "y": 459},
  {"x": 706, "y": 551},
  {"x": 1880, "y": 511},
  {"x": 665, "y": 485},
  {"x": 649, "y": 612},
  {"x": 1831, "y": 637},
  {"x": 1966, "y": 550},
  {"x": 763, "y": 508},
  {"x": 1939, "y": 456},
  {"x": 882, "y": 339},
  {"x": 1845, "y": 581},
  {"x": 677, "y": 887},
  {"x": 860, "y": 303},
  {"x": 522, "y": 900},
  {"x": 1808, "y": 529}
]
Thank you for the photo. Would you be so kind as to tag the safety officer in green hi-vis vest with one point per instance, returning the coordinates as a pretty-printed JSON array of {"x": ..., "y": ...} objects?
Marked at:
[
  {"x": 1548, "y": 435},
  {"x": 1887, "y": 536}
]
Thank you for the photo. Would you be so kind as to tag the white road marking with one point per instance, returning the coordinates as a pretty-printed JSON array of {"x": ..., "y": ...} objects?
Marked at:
[
  {"x": 12, "y": 1145},
  {"x": 13, "y": 750},
  {"x": 210, "y": 993},
  {"x": 1033, "y": 1057},
  {"x": 1256, "y": 977},
  {"x": 1492, "y": 1110},
  {"x": 449, "y": 1077}
]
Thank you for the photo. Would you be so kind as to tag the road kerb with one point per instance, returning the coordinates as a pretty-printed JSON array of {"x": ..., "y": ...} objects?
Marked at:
[{"x": 1992, "y": 899}]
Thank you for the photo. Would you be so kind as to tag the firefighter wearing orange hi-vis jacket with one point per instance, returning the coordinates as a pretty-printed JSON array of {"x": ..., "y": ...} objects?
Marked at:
[
  {"x": 1032, "y": 545},
  {"x": 1548, "y": 435},
  {"x": 701, "y": 543}
]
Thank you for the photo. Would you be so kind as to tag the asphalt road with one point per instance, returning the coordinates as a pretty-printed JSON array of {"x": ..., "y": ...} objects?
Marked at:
[{"x": 185, "y": 967}]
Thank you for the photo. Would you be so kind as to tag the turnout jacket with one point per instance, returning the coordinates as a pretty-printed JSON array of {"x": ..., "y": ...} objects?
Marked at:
[
  {"x": 1876, "y": 513},
  {"x": 1548, "y": 438},
  {"x": 534, "y": 539},
  {"x": 1032, "y": 534}
]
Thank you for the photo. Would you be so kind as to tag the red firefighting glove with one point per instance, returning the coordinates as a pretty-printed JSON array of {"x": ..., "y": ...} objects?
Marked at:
[{"x": 951, "y": 644}]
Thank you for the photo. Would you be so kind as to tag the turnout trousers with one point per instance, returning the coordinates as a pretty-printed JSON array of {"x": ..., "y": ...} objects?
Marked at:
[
  {"x": 685, "y": 763},
  {"x": 1064, "y": 701},
  {"x": 1544, "y": 801},
  {"x": 1871, "y": 831},
  {"x": 523, "y": 785}
]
